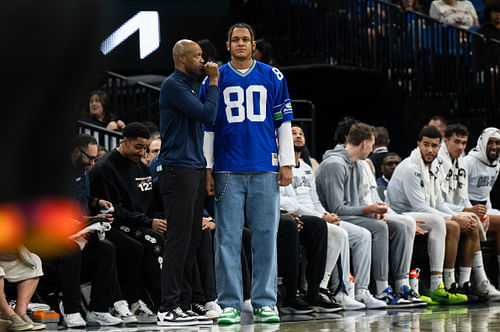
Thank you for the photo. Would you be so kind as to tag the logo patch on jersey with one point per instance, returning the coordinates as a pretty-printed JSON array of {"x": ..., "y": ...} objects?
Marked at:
[
  {"x": 278, "y": 115},
  {"x": 274, "y": 157},
  {"x": 145, "y": 183}
]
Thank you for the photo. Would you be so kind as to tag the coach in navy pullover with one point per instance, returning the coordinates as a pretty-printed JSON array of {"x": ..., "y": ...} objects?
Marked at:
[
  {"x": 182, "y": 174},
  {"x": 182, "y": 117}
]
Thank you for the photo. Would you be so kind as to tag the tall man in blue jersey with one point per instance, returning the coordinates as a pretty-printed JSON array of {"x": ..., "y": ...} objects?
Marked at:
[
  {"x": 181, "y": 176},
  {"x": 247, "y": 168}
]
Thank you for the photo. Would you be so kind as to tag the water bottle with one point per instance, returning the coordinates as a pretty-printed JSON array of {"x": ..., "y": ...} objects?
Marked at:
[
  {"x": 350, "y": 286},
  {"x": 414, "y": 274}
]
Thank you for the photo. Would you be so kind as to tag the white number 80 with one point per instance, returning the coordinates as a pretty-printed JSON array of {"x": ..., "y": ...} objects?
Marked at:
[{"x": 241, "y": 96}]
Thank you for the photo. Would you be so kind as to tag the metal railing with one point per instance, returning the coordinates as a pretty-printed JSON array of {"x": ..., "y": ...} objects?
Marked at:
[
  {"x": 107, "y": 138},
  {"x": 133, "y": 102}
]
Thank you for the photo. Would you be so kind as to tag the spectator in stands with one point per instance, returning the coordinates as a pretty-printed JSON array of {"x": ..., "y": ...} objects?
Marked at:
[
  {"x": 152, "y": 151},
  {"x": 342, "y": 129},
  {"x": 25, "y": 268},
  {"x": 391, "y": 160},
  {"x": 440, "y": 123},
  {"x": 414, "y": 190},
  {"x": 380, "y": 150},
  {"x": 100, "y": 112},
  {"x": 182, "y": 178},
  {"x": 300, "y": 197},
  {"x": 264, "y": 52},
  {"x": 460, "y": 13},
  {"x": 101, "y": 152},
  {"x": 137, "y": 230},
  {"x": 491, "y": 29},
  {"x": 154, "y": 131},
  {"x": 409, "y": 4},
  {"x": 208, "y": 51},
  {"x": 339, "y": 179},
  {"x": 454, "y": 188},
  {"x": 482, "y": 166}
]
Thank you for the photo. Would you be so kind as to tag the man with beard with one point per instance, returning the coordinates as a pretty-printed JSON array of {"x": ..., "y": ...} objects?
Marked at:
[
  {"x": 482, "y": 167},
  {"x": 181, "y": 175},
  {"x": 454, "y": 188},
  {"x": 415, "y": 190}
]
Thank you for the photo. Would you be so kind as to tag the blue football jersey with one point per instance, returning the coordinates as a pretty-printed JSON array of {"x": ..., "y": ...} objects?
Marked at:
[{"x": 251, "y": 106}]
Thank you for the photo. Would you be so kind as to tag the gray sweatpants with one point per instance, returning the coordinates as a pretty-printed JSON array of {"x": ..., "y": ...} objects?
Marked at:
[{"x": 392, "y": 236}]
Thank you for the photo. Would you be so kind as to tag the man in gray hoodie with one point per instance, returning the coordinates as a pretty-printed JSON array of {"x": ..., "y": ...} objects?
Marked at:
[{"x": 339, "y": 184}]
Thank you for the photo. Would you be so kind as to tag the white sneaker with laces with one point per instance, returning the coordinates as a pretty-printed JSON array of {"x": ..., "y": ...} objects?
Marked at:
[
  {"x": 487, "y": 288},
  {"x": 121, "y": 310},
  {"x": 213, "y": 306},
  {"x": 175, "y": 317},
  {"x": 347, "y": 302},
  {"x": 142, "y": 313},
  {"x": 102, "y": 318},
  {"x": 364, "y": 296}
]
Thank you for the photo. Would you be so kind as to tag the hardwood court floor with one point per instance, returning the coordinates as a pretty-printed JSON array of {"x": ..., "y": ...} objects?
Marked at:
[{"x": 464, "y": 318}]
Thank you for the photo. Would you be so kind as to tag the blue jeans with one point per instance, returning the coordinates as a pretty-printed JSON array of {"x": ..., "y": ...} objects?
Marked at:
[{"x": 254, "y": 197}]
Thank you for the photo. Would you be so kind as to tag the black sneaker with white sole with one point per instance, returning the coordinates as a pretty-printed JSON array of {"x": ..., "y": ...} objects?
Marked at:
[
  {"x": 323, "y": 304},
  {"x": 202, "y": 319},
  {"x": 297, "y": 306},
  {"x": 175, "y": 317}
]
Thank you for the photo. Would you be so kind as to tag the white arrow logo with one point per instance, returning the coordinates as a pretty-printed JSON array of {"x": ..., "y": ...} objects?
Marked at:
[{"x": 148, "y": 24}]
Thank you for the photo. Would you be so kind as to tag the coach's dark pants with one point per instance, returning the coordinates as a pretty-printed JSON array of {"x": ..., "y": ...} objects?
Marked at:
[{"x": 183, "y": 193}]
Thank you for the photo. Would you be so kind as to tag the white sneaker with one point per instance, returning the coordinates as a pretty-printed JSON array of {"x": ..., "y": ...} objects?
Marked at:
[
  {"x": 247, "y": 306},
  {"x": 102, "y": 318},
  {"x": 213, "y": 306},
  {"x": 71, "y": 320},
  {"x": 121, "y": 310},
  {"x": 347, "y": 302},
  {"x": 142, "y": 313},
  {"x": 364, "y": 296},
  {"x": 487, "y": 288},
  {"x": 74, "y": 320}
]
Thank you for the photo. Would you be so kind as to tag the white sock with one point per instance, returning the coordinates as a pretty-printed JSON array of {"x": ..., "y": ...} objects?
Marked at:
[
  {"x": 436, "y": 279},
  {"x": 381, "y": 286},
  {"x": 449, "y": 277},
  {"x": 398, "y": 284},
  {"x": 478, "y": 268},
  {"x": 463, "y": 275}
]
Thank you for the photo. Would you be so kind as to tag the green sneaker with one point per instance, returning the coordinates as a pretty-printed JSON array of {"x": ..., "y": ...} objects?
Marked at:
[
  {"x": 442, "y": 296},
  {"x": 229, "y": 316},
  {"x": 427, "y": 299},
  {"x": 265, "y": 315}
]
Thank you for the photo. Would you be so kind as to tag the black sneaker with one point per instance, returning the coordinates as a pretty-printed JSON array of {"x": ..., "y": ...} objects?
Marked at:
[
  {"x": 175, "y": 317},
  {"x": 473, "y": 296},
  {"x": 296, "y": 307},
  {"x": 322, "y": 304},
  {"x": 202, "y": 319},
  {"x": 202, "y": 311}
]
